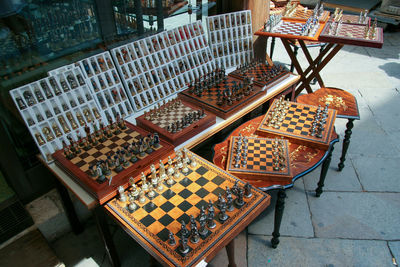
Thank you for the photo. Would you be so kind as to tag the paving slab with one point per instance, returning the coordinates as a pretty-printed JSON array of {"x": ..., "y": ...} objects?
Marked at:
[
  {"x": 395, "y": 249},
  {"x": 346, "y": 180},
  {"x": 317, "y": 252},
  {"x": 221, "y": 259},
  {"x": 296, "y": 219},
  {"x": 356, "y": 215},
  {"x": 378, "y": 174}
]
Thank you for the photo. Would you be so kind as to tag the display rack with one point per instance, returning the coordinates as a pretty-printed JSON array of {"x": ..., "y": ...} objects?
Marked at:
[
  {"x": 231, "y": 38},
  {"x": 57, "y": 108}
]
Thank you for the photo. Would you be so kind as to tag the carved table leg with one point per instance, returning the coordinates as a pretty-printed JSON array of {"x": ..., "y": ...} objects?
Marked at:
[
  {"x": 346, "y": 143},
  {"x": 271, "y": 51},
  {"x": 230, "y": 250},
  {"x": 324, "y": 170},
  {"x": 279, "y": 207}
]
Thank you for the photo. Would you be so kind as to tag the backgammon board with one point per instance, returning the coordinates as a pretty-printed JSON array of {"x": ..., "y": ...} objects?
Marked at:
[
  {"x": 84, "y": 163},
  {"x": 295, "y": 122},
  {"x": 262, "y": 74},
  {"x": 254, "y": 158},
  {"x": 176, "y": 121},
  {"x": 352, "y": 34},
  {"x": 157, "y": 221},
  {"x": 223, "y": 107}
]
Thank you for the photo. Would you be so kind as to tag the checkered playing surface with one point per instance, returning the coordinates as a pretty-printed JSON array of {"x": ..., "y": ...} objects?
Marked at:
[
  {"x": 172, "y": 116},
  {"x": 300, "y": 13},
  {"x": 259, "y": 72},
  {"x": 259, "y": 156},
  {"x": 108, "y": 147},
  {"x": 156, "y": 217},
  {"x": 354, "y": 32}
]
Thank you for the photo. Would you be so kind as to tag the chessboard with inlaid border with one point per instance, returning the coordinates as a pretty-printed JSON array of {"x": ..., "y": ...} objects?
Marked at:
[
  {"x": 291, "y": 29},
  {"x": 297, "y": 125},
  {"x": 302, "y": 13},
  {"x": 259, "y": 71},
  {"x": 208, "y": 100},
  {"x": 78, "y": 166},
  {"x": 259, "y": 160},
  {"x": 168, "y": 114},
  {"x": 150, "y": 223},
  {"x": 352, "y": 34}
]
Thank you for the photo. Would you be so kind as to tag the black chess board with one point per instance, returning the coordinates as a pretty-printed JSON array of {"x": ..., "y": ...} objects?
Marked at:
[
  {"x": 259, "y": 159},
  {"x": 297, "y": 124},
  {"x": 154, "y": 219}
]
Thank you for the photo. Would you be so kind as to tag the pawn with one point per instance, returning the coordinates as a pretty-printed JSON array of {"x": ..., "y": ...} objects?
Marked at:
[
  {"x": 132, "y": 205},
  {"x": 151, "y": 192},
  {"x": 177, "y": 173},
  {"x": 185, "y": 168},
  {"x": 170, "y": 180}
]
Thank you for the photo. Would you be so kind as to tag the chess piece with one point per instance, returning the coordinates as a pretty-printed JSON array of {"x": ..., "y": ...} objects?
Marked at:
[
  {"x": 132, "y": 205},
  {"x": 161, "y": 170},
  {"x": 122, "y": 195},
  {"x": 177, "y": 173},
  {"x": 151, "y": 192},
  {"x": 229, "y": 200},
  {"x": 194, "y": 233},
  {"x": 170, "y": 180},
  {"x": 222, "y": 216},
  {"x": 202, "y": 215},
  {"x": 210, "y": 216},
  {"x": 183, "y": 246},
  {"x": 171, "y": 239},
  {"x": 142, "y": 198},
  {"x": 239, "y": 200},
  {"x": 185, "y": 168},
  {"x": 203, "y": 229},
  {"x": 235, "y": 188},
  {"x": 247, "y": 190},
  {"x": 184, "y": 230},
  {"x": 144, "y": 182}
]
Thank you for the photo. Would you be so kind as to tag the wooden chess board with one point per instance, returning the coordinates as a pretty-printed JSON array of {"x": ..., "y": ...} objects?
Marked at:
[
  {"x": 160, "y": 123},
  {"x": 151, "y": 222},
  {"x": 78, "y": 167},
  {"x": 297, "y": 124},
  {"x": 209, "y": 98},
  {"x": 352, "y": 34},
  {"x": 259, "y": 71},
  {"x": 259, "y": 158},
  {"x": 353, "y": 19},
  {"x": 291, "y": 29},
  {"x": 302, "y": 14}
]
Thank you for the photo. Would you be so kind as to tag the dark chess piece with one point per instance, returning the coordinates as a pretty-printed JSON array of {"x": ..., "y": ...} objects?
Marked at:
[
  {"x": 221, "y": 201},
  {"x": 183, "y": 246},
  {"x": 156, "y": 140},
  {"x": 184, "y": 230},
  {"x": 171, "y": 239},
  {"x": 222, "y": 213},
  {"x": 239, "y": 200},
  {"x": 247, "y": 190},
  {"x": 194, "y": 234},
  {"x": 229, "y": 200},
  {"x": 118, "y": 166},
  {"x": 210, "y": 216},
  {"x": 202, "y": 215},
  {"x": 203, "y": 229},
  {"x": 235, "y": 188}
]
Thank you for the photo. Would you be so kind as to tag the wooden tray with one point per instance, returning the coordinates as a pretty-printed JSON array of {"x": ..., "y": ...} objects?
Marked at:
[
  {"x": 183, "y": 135},
  {"x": 78, "y": 166}
]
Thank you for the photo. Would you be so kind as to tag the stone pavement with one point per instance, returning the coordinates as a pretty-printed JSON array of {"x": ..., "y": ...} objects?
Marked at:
[{"x": 355, "y": 222}]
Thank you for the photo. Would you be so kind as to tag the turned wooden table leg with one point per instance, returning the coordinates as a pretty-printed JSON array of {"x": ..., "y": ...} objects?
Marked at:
[
  {"x": 230, "y": 250},
  {"x": 324, "y": 171},
  {"x": 346, "y": 143},
  {"x": 279, "y": 207}
]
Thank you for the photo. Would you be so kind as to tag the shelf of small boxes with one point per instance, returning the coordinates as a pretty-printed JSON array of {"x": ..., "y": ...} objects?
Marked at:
[
  {"x": 231, "y": 38},
  {"x": 56, "y": 108},
  {"x": 155, "y": 67}
]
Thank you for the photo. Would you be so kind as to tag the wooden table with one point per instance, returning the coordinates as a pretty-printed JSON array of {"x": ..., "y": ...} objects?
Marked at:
[
  {"x": 303, "y": 160},
  {"x": 65, "y": 182},
  {"x": 346, "y": 105}
]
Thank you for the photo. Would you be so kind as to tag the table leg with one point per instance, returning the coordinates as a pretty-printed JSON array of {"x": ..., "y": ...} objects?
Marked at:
[
  {"x": 271, "y": 51},
  {"x": 324, "y": 171},
  {"x": 230, "y": 250},
  {"x": 346, "y": 143},
  {"x": 106, "y": 236},
  {"x": 279, "y": 207},
  {"x": 69, "y": 208}
]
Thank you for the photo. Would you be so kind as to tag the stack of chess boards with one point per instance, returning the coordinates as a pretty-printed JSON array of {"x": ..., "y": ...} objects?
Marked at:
[{"x": 186, "y": 209}]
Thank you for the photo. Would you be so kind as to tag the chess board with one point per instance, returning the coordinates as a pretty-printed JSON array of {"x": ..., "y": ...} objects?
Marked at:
[
  {"x": 78, "y": 167},
  {"x": 296, "y": 126},
  {"x": 352, "y": 34},
  {"x": 257, "y": 73},
  {"x": 259, "y": 164},
  {"x": 151, "y": 222},
  {"x": 208, "y": 100},
  {"x": 161, "y": 123},
  {"x": 353, "y": 19},
  {"x": 302, "y": 14},
  {"x": 291, "y": 29}
]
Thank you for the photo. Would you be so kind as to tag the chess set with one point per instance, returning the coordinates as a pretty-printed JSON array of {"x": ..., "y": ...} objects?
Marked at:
[
  {"x": 105, "y": 157},
  {"x": 353, "y": 34},
  {"x": 254, "y": 158},
  {"x": 56, "y": 108},
  {"x": 221, "y": 94},
  {"x": 349, "y": 18},
  {"x": 231, "y": 38},
  {"x": 158, "y": 66},
  {"x": 186, "y": 208},
  {"x": 262, "y": 74},
  {"x": 298, "y": 12},
  {"x": 300, "y": 123},
  {"x": 176, "y": 121}
]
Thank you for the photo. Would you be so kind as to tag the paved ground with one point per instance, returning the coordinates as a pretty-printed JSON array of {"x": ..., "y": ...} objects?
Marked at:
[{"x": 356, "y": 221}]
